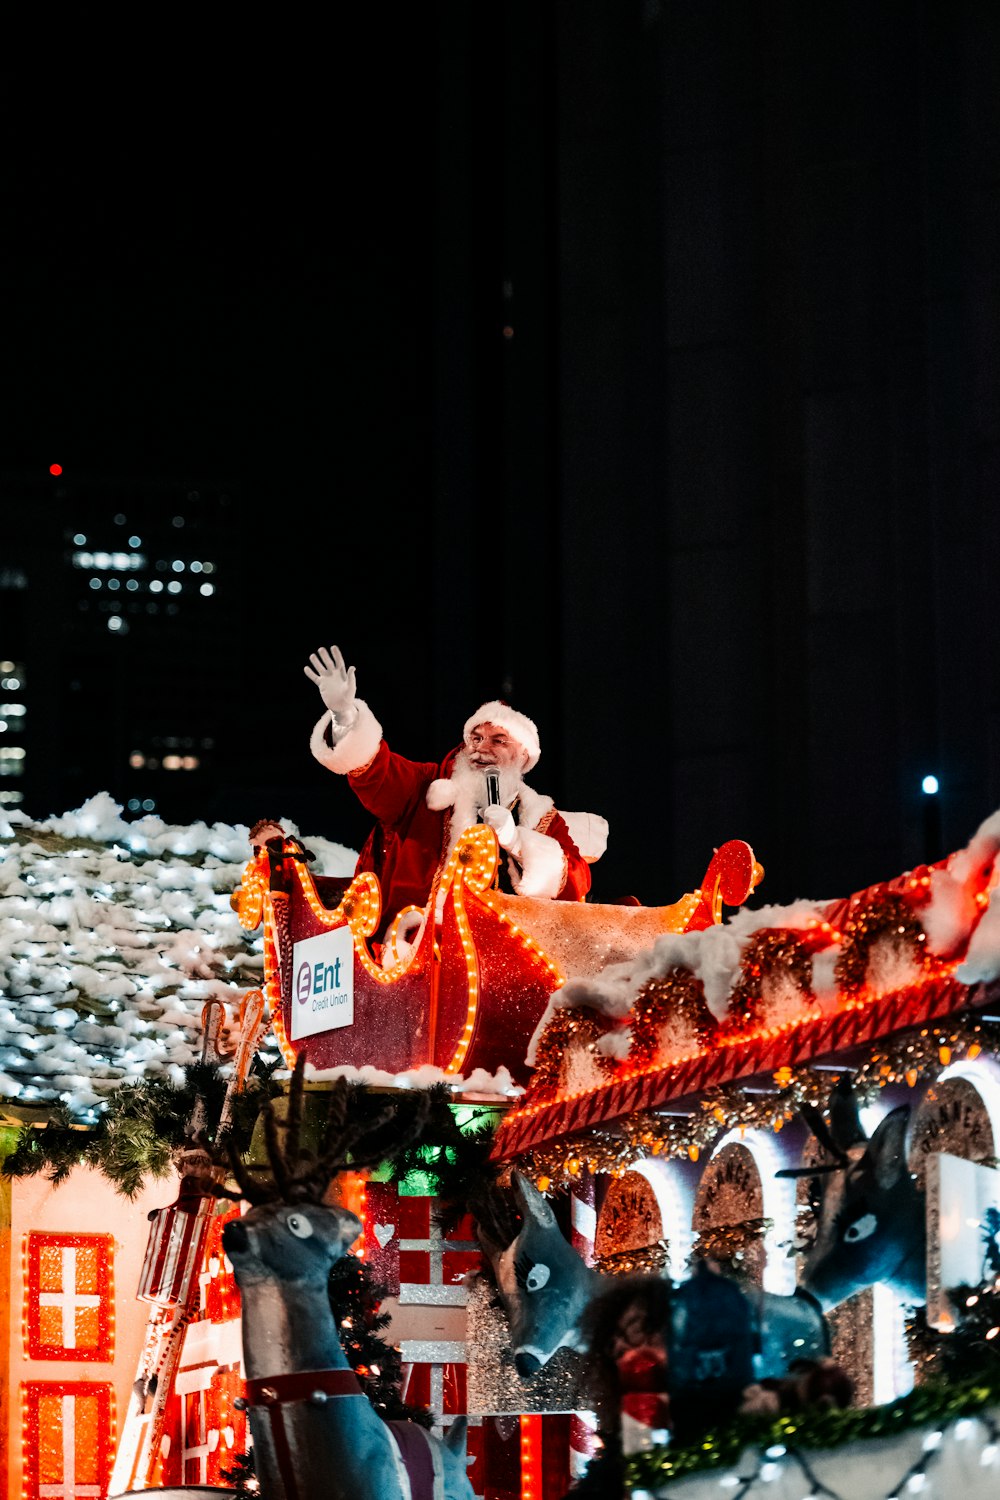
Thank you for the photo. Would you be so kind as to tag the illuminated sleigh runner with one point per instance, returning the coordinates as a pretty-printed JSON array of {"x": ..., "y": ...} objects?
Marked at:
[{"x": 470, "y": 992}]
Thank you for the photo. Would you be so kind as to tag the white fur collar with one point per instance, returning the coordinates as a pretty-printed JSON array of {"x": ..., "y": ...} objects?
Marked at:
[{"x": 444, "y": 793}]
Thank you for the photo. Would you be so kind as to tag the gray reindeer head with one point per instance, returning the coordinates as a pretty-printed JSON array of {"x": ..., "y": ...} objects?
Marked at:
[
  {"x": 544, "y": 1284},
  {"x": 869, "y": 1213},
  {"x": 275, "y": 1242}
]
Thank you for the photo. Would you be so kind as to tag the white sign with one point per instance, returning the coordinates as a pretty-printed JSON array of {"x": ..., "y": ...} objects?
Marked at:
[
  {"x": 322, "y": 983},
  {"x": 963, "y": 1207}
]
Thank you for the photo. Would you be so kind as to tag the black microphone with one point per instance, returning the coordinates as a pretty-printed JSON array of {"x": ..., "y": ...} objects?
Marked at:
[{"x": 493, "y": 788}]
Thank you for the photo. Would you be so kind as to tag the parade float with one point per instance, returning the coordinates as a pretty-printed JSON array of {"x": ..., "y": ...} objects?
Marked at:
[{"x": 783, "y": 1121}]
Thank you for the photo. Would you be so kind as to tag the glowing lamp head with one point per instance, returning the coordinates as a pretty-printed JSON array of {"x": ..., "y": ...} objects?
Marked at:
[{"x": 930, "y": 786}]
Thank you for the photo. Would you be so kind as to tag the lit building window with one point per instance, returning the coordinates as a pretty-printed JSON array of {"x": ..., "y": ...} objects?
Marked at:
[
  {"x": 11, "y": 799},
  {"x": 137, "y": 760},
  {"x": 207, "y": 588},
  {"x": 79, "y": 540},
  {"x": 117, "y": 624},
  {"x": 67, "y": 1433},
  {"x": 174, "y": 586},
  {"x": 11, "y": 760},
  {"x": 156, "y": 587},
  {"x": 70, "y": 1298}
]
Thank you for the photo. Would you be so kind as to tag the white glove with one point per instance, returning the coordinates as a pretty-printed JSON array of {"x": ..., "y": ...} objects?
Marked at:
[
  {"x": 501, "y": 820},
  {"x": 336, "y": 685}
]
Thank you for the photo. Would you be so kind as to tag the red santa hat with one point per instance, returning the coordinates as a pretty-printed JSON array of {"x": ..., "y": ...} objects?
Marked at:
[{"x": 518, "y": 726}]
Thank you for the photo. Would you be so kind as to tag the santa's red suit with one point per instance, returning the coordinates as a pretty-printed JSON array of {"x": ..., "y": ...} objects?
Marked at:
[{"x": 421, "y": 815}]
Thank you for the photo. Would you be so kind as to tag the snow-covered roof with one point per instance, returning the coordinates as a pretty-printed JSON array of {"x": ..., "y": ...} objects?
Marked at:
[{"x": 113, "y": 935}]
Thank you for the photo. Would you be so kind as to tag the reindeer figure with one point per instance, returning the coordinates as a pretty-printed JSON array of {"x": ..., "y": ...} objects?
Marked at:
[
  {"x": 546, "y": 1288},
  {"x": 315, "y": 1434},
  {"x": 544, "y": 1284},
  {"x": 870, "y": 1213}
]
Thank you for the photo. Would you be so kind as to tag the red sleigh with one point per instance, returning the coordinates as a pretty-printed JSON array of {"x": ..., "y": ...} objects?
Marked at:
[{"x": 471, "y": 990}]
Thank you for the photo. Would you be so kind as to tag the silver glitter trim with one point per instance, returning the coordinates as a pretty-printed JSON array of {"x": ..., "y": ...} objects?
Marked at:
[
  {"x": 440, "y": 1246},
  {"x": 433, "y": 1351},
  {"x": 415, "y": 1294}
]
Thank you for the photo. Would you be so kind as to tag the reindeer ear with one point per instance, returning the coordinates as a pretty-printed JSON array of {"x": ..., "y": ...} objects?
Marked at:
[
  {"x": 845, "y": 1122},
  {"x": 886, "y": 1153},
  {"x": 535, "y": 1206}
]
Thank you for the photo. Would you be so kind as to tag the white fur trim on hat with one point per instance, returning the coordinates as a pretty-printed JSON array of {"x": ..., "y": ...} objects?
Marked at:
[
  {"x": 352, "y": 749},
  {"x": 519, "y": 726}
]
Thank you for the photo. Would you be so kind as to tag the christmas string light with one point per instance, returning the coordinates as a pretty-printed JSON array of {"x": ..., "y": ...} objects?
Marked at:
[
  {"x": 909, "y": 1056},
  {"x": 944, "y": 1408}
]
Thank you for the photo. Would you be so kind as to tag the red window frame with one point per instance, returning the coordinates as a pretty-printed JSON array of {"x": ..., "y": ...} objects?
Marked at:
[
  {"x": 33, "y": 1392},
  {"x": 102, "y": 1352}
]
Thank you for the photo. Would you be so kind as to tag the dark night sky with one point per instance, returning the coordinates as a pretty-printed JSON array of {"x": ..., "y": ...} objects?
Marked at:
[{"x": 216, "y": 263}]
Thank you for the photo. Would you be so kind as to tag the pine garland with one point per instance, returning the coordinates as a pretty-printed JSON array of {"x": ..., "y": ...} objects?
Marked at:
[
  {"x": 934, "y": 1403},
  {"x": 141, "y": 1128},
  {"x": 356, "y": 1298}
]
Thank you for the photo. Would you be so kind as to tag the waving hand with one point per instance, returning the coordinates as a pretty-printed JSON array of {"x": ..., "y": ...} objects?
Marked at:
[{"x": 335, "y": 682}]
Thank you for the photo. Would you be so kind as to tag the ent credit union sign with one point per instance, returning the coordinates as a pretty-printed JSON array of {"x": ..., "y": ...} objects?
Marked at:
[{"x": 322, "y": 983}]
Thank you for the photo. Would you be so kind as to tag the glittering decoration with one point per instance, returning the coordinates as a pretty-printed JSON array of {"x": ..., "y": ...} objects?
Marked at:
[
  {"x": 630, "y": 1217},
  {"x": 69, "y": 1308},
  {"x": 669, "y": 1017},
  {"x": 952, "y": 1117},
  {"x": 729, "y": 1220},
  {"x": 912, "y": 1056},
  {"x": 494, "y": 1385},
  {"x": 569, "y": 1032},
  {"x": 584, "y": 938},
  {"x": 67, "y": 1435},
  {"x": 651, "y": 1260},
  {"x": 852, "y": 1342},
  {"x": 883, "y": 947},
  {"x": 918, "y": 1056},
  {"x": 775, "y": 982}
]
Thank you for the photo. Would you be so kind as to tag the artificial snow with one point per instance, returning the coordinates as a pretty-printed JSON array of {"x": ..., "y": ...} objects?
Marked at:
[
  {"x": 113, "y": 936},
  {"x": 715, "y": 955},
  {"x": 479, "y": 1081}
]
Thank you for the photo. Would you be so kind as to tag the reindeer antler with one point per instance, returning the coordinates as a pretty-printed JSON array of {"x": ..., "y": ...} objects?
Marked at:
[
  {"x": 844, "y": 1130},
  {"x": 354, "y": 1136}
]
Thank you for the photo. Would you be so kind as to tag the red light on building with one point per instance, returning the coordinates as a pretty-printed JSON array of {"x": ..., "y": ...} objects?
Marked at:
[{"x": 55, "y": 469}]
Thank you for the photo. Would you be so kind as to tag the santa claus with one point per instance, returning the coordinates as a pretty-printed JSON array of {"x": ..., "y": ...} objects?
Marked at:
[{"x": 423, "y": 807}]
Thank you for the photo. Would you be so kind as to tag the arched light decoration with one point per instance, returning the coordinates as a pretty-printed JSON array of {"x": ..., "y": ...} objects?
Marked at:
[
  {"x": 779, "y": 1204},
  {"x": 984, "y": 1076},
  {"x": 676, "y": 1204}
]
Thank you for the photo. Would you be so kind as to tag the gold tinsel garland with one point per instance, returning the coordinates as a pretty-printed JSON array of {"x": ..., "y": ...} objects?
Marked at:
[
  {"x": 881, "y": 916},
  {"x": 777, "y": 950},
  {"x": 679, "y": 997},
  {"x": 579, "y": 1027},
  {"x": 728, "y": 1243},
  {"x": 909, "y": 1057},
  {"x": 648, "y": 1258}
]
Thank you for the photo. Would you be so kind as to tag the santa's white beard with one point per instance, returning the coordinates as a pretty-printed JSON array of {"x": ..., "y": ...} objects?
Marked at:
[
  {"x": 470, "y": 781},
  {"x": 471, "y": 794}
]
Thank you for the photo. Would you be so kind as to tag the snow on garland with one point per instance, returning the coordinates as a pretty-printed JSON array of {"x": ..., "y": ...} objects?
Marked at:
[{"x": 113, "y": 936}]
